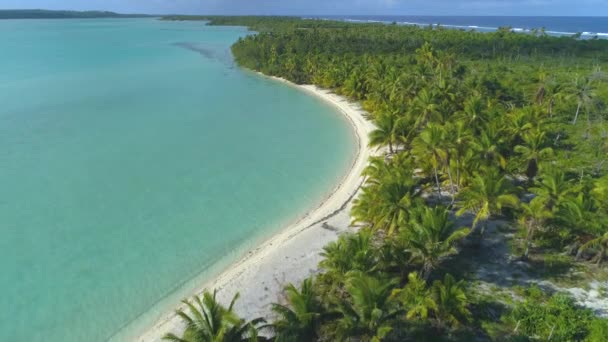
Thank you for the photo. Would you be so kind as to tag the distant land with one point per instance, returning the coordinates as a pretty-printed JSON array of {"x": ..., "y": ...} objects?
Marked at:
[{"x": 48, "y": 14}]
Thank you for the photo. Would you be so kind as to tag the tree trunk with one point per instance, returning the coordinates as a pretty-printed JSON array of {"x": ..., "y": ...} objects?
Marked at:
[
  {"x": 517, "y": 326},
  {"x": 437, "y": 181},
  {"x": 528, "y": 243},
  {"x": 458, "y": 172},
  {"x": 601, "y": 256},
  {"x": 532, "y": 169},
  {"x": 578, "y": 110},
  {"x": 425, "y": 273},
  {"x": 390, "y": 146},
  {"x": 551, "y": 333},
  {"x": 451, "y": 184}
]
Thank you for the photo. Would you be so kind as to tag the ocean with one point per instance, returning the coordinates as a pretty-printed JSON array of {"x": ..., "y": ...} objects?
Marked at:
[
  {"x": 136, "y": 160},
  {"x": 589, "y": 27}
]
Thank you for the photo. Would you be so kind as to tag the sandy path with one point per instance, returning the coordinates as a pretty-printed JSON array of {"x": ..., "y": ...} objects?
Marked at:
[{"x": 292, "y": 254}]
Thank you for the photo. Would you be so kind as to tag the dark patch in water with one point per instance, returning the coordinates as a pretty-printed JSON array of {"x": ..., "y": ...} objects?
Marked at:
[{"x": 208, "y": 51}]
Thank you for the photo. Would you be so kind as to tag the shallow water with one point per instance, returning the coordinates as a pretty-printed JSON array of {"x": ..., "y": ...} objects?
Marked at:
[{"x": 134, "y": 156}]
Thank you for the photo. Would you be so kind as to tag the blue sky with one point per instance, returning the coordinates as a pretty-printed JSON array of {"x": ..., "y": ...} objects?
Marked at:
[{"x": 303, "y": 7}]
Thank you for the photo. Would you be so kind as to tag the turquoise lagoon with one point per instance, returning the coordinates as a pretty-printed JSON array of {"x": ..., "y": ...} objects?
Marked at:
[{"x": 136, "y": 160}]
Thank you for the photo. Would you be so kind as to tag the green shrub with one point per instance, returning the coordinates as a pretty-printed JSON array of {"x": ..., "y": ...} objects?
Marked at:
[
  {"x": 555, "y": 318},
  {"x": 598, "y": 330}
]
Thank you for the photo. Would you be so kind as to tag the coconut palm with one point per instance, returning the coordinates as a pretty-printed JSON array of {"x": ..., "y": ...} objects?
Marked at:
[
  {"x": 350, "y": 252},
  {"x": 534, "y": 215},
  {"x": 370, "y": 311},
  {"x": 488, "y": 193},
  {"x": 533, "y": 151},
  {"x": 554, "y": 188},
  {"x": 599, "y": 245},
  {"x": 432, "y": 237},
  {"x": 458, "y": 140},
  {"x": 428, "y": 147},
  {"x": 541, "y": 89},
  {"x": 469, "y": 164},
  {"x": 425, "y": 107},
  {"x": 399, "y": 165},
  {"x": 518, "y": 123},
  {"x": 356, "y": 85},
  {"x": 555, "y": 91},
  {"x": 376, "y": 169},
  {"x": 209, "y": 321},
  {"x": 487, "y": 147},
  {"x": 302, "y": 318},
  {"x": 583, "y": 92},
  {"x": 451, "y": 301},
  {"x": 474, "y": 111},
  {"x": 394, "y": 255},
  {"x": 581, "y": 213},
  {"x": 600, "y": 192},
  {"x": 384, "y": 202},
  {"x": 416, "y": 298},
  {"x": 385, "y": 132}
]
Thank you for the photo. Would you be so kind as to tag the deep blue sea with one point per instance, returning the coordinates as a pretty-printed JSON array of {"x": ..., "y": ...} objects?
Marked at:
[{"x": 588, "y": 26}]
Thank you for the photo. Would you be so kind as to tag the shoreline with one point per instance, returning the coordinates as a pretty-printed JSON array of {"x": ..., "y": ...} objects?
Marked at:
[{"x": 261, "y": 273}]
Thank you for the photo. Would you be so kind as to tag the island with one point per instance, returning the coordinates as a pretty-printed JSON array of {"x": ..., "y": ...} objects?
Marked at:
[
  {"x": 484, "y": 212},
  {"x": 50, "y": 14}
]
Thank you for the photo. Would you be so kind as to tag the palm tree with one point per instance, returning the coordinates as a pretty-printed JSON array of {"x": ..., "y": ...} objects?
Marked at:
[
  {"x": 520, "y": 121},
  {"x": 554, "y": 91},
  {"x": 385, "y": 200},
  {"x": 583, "y": 92},
  {"x": 425, "y": 107},
  {"x": 432, "y": 237},
  {"x": 554, "y": 188},
  {"x": 451, "y": 301},
  {"x": 356, "y": 86},
  {"x": 394, "y": 255},
  {"x": 416, "y": 298},
  {"x": 599, "y": 244},
  {"x": 350, "y": 252},
  {"x": 487, "y": 147},
  {"x": 486, "y": 196},
  {"x": 370, "y": 311},
  {"x": 385, "y": 133},
  {"x": 458, "y": 139},
  {"x": 533, "y": 152},
  {"x": 209, "y": 321},
  {"x": 246, "y": 332},
  {"x": 427, "y": 146},
  {"x": 581, "y": 213},
  {"x": 399, "y": 166},
  {"x": 473, "y": 113},
  {"x": 534, "y": 215},
  {"x": 301, "y": 320},
  {"x": 541, "y": 89},
  {"x": 600, "y": 192}
]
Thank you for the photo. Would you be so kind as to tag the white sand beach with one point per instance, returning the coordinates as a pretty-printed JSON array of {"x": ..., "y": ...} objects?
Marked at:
[{"x": 292, "y": 254}]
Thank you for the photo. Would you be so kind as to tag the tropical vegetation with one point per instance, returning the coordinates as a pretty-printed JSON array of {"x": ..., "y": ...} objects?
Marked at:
[{"x": 476, "y": 131}]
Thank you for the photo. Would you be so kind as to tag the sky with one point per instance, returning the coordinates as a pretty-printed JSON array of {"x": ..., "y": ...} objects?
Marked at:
[{"x": 328, "y": 7}]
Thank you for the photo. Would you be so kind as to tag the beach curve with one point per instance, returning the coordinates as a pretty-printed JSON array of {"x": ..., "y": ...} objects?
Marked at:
[{"x": 292, "y": 254}]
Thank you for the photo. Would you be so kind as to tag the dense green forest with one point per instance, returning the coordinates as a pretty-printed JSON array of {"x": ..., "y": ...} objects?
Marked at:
[
  {"x": 47, "y": 14},
  {"x": 491, "y": 194}
]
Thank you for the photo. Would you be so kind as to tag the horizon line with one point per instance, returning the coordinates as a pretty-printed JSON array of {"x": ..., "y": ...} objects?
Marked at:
[{"x": 302, "y": 15}]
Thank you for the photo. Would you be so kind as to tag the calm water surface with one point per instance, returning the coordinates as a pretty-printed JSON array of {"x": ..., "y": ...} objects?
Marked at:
[{"x": 134, "y": 156}]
